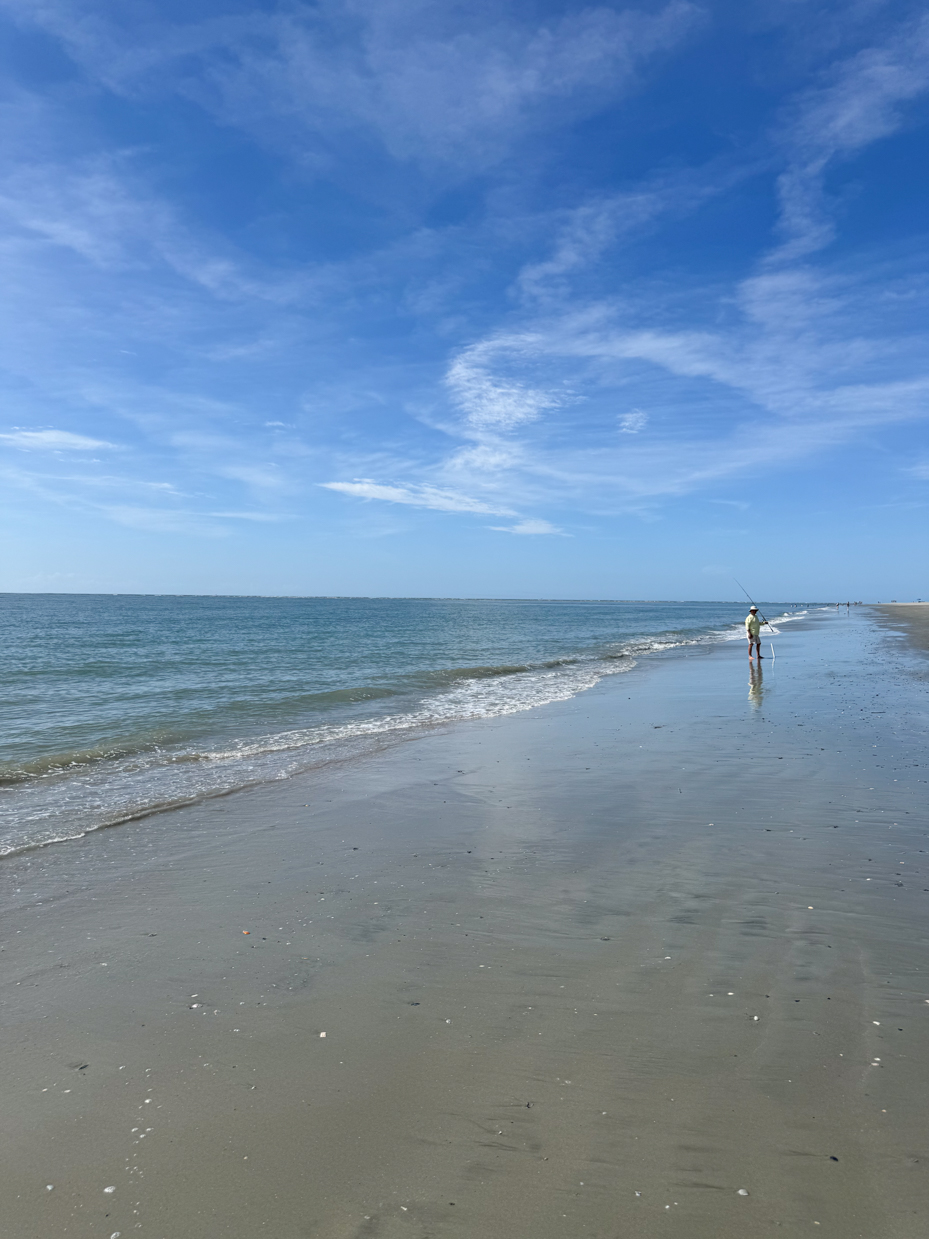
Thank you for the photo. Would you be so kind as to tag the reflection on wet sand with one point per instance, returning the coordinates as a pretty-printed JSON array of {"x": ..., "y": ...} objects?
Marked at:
[{"x": 755, "y": 685}]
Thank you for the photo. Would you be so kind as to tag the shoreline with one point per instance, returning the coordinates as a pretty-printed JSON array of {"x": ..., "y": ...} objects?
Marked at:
[
  {"x": 537, "y": 945},
  {"x": 69, "y": 803}
]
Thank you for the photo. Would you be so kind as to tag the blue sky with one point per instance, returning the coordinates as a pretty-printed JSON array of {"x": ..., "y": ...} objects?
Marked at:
[{"x": 465, "y": 299}]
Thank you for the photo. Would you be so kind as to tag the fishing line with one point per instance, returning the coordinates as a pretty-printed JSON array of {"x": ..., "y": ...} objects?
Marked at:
[{"x": 766, "y": 621}]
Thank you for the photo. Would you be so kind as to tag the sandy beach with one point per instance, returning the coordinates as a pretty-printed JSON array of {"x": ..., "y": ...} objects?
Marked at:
[
  {"x": 649, "y": 962},
  {"x": 909, "y": 619}
]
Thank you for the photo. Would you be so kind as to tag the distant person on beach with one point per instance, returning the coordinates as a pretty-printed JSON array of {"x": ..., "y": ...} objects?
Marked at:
[{"x": 753, "y": 631}]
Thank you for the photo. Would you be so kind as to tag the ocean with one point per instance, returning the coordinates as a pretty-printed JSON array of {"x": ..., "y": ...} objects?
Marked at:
[{"x": 116, "y": 706}]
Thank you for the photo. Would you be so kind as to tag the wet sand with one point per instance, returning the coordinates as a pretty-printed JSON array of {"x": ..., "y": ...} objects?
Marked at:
[
  {"x": 585, "y": 971},
  {"x": 911, "y": 619}
]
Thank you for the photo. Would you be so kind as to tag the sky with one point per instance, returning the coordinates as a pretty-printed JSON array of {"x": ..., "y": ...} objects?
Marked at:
[{"x": 511, "y": 298}]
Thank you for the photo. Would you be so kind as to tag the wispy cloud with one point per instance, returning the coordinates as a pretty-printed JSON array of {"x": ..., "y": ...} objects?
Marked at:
[
  {"x": 493, "y": 402},
  {"x": 418, "y": 497},
  {"x": 477, "y": 260},
  {"x": 83, "y": 495},
  {"x": 633, "y": 422},
  {"x": 54, "y": 441},
  {"x": 530, "y": 527},
  {"x": 258, "y": 477},
  {"x": 160, "y": 520},
  {"x": 797, "y": 364},
  {"x": 261, "y": 517},
  {"x": 860, "y": 101},
  {"x": 91, "y": 207},
  {"x": 430, "y": 83},
  {"x": 583, "y": 235}
]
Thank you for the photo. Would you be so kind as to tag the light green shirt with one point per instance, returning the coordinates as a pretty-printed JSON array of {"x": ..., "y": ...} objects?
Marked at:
[{"x": 752, "y": 625}]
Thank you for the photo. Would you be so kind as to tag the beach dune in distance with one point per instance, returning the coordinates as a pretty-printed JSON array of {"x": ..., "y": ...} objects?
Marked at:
[{"x": 649, "y": 961}]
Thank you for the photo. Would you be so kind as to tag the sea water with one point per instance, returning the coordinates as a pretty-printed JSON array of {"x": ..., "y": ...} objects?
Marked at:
[{"x": 116, "y": 706}]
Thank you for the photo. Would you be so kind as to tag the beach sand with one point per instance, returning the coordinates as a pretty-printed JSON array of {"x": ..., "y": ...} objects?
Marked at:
[
  {"x": 590, "y": 970},
  {"x": 910, "y": 619}
]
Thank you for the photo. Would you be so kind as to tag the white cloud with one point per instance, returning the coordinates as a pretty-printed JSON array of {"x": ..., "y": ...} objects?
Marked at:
[
  {"x": 432, "y": 83},
  {"x": 82, "y": 492},
  {"x": 792, "y": 373},
  {"x": 259, "y": 477},
  {"x": 633, "y": 422},
  {"x": 97, "y": 481},
  {"x": 738, "y": 378},
  {"x": 263, "y": 517},
  {"x": 492, "y": 456},
  {"x": 54, "y": 441},
  {"x": 159, "y": 520},
  {"x": 490, "y": 402},
  {"x": 417, "y": 496},
  {"x": 860, "y": 104},
  {"x": 530, "y": 527},
  {"x": 585, "y": 234},
  {"x": 102, "y": 209}
]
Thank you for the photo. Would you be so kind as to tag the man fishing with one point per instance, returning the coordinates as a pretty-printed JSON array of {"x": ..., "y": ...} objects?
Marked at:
[{"x": 753, "y": 631}]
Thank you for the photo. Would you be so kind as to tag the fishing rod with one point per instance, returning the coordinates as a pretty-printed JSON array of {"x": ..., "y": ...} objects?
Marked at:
[{"x": 766, "y": 621}]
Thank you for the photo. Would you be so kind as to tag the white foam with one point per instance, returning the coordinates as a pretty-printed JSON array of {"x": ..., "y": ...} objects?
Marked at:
[{"x": 69, "y": 804}]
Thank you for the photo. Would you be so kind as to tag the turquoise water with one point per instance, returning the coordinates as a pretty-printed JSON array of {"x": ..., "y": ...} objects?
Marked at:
[{"x": 116, "y": 706}]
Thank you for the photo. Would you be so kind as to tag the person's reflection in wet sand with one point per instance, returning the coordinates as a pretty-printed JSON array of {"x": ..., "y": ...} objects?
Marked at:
[{"x": 755, "y": 685}]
